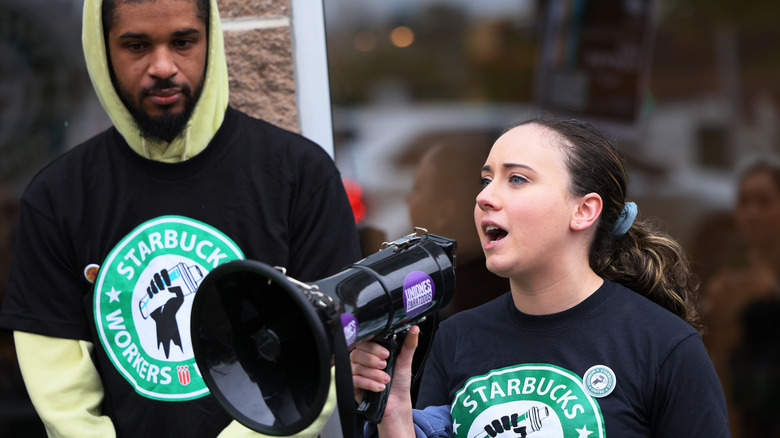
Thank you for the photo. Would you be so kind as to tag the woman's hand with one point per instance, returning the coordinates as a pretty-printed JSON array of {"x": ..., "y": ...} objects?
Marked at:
[{"x": 368, "y": 362}]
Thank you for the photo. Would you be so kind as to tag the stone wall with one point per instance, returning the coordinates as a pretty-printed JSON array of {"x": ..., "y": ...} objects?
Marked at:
[{"x": 258, "y": 46}]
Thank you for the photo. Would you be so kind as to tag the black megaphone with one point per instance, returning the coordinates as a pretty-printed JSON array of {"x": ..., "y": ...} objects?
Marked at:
[{"x": 265, "y": 342}]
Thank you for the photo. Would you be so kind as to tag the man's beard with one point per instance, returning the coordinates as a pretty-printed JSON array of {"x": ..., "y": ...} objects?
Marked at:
[{"x": 166, "y": 127}]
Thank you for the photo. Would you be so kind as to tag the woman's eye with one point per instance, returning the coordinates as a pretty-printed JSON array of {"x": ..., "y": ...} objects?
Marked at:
[
  {"x": 516, "y": 179},
  {"x": 483, "y": 182}
]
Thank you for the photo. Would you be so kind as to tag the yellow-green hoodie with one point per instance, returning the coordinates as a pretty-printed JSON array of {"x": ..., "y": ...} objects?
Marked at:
[
  {"x": 60, "y": 374},
  {"x": 209, "y": 110}
]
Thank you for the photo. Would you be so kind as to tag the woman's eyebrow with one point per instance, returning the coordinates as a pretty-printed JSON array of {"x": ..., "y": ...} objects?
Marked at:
[{"x": 487, "y": 168}]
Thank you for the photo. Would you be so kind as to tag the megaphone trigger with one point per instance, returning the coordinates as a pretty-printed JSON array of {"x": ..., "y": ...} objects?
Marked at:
[{"x": 372, "y": 405}]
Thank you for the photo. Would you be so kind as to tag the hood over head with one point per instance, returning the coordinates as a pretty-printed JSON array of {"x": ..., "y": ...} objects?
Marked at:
[{"x": 209, "y": 110}]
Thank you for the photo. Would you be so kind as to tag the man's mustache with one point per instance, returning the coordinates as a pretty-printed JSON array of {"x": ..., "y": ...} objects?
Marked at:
[{"x": 163, "y": 84}]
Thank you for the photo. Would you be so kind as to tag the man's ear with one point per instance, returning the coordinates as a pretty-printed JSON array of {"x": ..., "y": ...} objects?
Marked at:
[{"x": 586, "y": 211}]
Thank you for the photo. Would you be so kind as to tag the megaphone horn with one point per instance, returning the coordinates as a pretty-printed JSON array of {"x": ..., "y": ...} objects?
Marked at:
[{"x": 264, "y": 342}]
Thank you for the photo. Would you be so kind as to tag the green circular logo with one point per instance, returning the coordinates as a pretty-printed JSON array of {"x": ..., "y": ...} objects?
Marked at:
[
  {"x": 143, "y": 298},
  {"x": 542, "y": 399}
]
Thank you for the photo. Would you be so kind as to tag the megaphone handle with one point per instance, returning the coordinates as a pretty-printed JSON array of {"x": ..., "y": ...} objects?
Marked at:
[{"x": 372, "y": 405}]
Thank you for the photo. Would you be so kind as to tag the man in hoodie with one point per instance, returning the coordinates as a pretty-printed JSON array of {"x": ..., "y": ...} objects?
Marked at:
[{"x": 116, "y": 234}]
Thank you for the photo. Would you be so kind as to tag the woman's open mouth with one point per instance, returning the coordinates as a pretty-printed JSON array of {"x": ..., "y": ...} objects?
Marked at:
[{"x": 494, "y": 233}]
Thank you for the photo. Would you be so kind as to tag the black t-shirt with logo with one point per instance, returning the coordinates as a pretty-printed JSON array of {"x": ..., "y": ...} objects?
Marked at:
[
  {"x": 155, "y": 230},
  {"x": 615, "y": 365}
]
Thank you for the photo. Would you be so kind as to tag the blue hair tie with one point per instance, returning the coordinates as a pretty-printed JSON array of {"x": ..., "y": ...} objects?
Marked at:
[{"x": 625, "y": 220}]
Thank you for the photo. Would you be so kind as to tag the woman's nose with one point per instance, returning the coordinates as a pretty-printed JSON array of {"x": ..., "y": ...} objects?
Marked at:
[{"x": 486, "y": 199}]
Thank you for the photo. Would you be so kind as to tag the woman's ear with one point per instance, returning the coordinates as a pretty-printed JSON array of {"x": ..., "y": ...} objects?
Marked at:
[{"x": 586, "y": 212}]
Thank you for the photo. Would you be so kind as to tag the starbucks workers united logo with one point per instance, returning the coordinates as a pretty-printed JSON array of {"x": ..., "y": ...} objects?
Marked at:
[
  {"x": 143, "y": 298},
  {"x": 530, "y": 400}
]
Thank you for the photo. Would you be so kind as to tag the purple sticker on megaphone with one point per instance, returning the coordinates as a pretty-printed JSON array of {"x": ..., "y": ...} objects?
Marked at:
[
  {"x": 350, "y": 325},
  {"x": 419, "y": 291}
]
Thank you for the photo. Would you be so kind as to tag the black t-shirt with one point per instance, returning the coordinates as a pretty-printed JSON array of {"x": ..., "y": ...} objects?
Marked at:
[
  {"x": 256, "y": 192},
  {"x": 616, "y": 364}
]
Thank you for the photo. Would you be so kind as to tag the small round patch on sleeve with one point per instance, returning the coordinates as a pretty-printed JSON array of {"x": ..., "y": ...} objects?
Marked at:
[{"x": 599, "y": 381}]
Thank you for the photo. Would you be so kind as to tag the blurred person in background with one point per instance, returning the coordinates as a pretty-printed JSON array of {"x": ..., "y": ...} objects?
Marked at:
[{"x": 741, "y": 306}]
